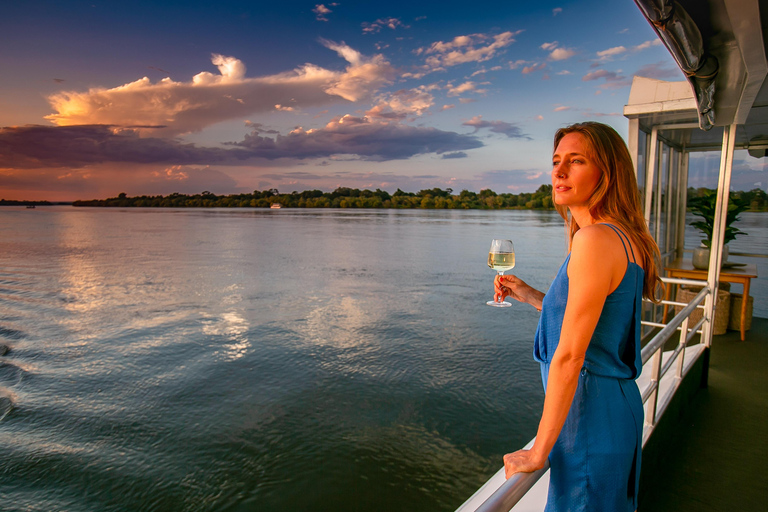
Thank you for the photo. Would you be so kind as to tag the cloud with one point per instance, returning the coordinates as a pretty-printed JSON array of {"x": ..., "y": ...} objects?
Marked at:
[
  {"x": 104, "y": 181},
  {"x": 403, "y": 103},
  {"x": 462, "y": 88},
  {"x": 510, "y": 130},
  {"x": 549, "y": 46},
  {"x": 189, "y": 180},
  {"x": 35, "y": 147},
  {"x": 457, "y": 154},
  {"x": 534, "y": 67},
  {"x": 646, "y": 45},
  {"x": 564, "y": 72},
  {"x": 556, "y": 11},
  {"x": 376, "y": 26},
  {"x": 448, "y": 107},
  {"x": 610, "y": 52},
  {"x": 321, "y": 10},
  {"x": 600, "y": 73},
  {"x": 174, "y": 108},
  {"x": 483, "y": 71},
  {"x": 515, "y": 181},
  {"x": 613, "y": 80},
  {"x": 561, "y": 54},
  {"x": 661, "y": 71},
  {"x": 368, "y": 139},
  {"x": 463, "y": 49},
  {"x": 556, "y": 52},
  {"x": 32, "y": 146},
  {"x": 561, "y": 108}
]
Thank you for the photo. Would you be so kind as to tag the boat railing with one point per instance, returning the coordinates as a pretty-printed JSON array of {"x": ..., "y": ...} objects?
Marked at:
[
  {"x": 661, "y": 363},
  {"x": 501, "y": 495}
]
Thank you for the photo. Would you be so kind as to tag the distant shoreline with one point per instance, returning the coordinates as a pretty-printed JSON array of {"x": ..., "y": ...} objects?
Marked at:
[
  {"x": 344, "y": 197},
  {"x": 23, "y": 202}
]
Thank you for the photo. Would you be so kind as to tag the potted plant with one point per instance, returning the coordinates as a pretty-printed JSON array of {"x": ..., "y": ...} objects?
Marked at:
[{"x": 704, "y": 206}]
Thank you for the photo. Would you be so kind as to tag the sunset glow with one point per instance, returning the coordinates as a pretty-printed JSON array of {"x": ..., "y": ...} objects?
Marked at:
[{"x": 148, "y": 99}]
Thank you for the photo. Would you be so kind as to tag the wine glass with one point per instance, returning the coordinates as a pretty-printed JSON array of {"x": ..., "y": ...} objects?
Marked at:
[{"x": 501, "y": 258}]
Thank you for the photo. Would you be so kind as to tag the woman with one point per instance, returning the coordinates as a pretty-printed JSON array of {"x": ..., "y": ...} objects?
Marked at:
[{"x": 588, "y": 338}]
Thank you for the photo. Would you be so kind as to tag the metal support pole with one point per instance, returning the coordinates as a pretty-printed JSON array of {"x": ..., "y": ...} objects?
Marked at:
[
  {"x": 653, "y": 400},
  {"x": 683, "y": 343},
  {"x": 650, "y": 174},
  {"x": 661, "y": 173},
  {"x": 718, "y": 233},
  {"x": 633, "y": 145},
  {"x": 671, "y": 189},
  {"x": 682, "y": 204}
]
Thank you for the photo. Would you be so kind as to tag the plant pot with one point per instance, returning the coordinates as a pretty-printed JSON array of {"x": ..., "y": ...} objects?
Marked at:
[
  {"x": 701, "y": 257},
  {"x": 722, "y": 308}
]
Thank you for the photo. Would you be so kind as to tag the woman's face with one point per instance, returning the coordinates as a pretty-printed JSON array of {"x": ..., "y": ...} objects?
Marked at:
[{"x": 574, "y": 175}]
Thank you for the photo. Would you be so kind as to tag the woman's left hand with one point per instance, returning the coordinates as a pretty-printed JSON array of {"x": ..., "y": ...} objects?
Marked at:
[{"x": 521, "y": 461}]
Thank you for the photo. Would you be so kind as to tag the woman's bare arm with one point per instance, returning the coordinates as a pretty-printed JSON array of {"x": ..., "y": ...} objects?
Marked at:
[
  {"x": 509, "y": 285},
  {"x": 591, "y": 272}
]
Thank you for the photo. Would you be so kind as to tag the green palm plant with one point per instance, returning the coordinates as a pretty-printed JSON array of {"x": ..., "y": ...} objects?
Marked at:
[{"x": 704, "y": 206}]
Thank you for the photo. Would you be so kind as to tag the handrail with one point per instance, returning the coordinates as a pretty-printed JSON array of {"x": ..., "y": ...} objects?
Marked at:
[
  {"x": 511, "y": 491},
  {"x": 663, "y": 335}
]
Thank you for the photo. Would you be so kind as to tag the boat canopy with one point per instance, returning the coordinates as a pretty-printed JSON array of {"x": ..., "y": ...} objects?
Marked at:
[{"x": 720, "y": 46}]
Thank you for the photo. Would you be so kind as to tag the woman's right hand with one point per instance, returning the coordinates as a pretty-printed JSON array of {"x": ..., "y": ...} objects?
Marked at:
[{"x": 509, "y": 285}]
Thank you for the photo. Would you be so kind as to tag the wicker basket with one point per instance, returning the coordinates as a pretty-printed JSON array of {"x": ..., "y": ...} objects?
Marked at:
[
  {"x": 722, "y": 308},
  {"x": 734, "y": 322}
]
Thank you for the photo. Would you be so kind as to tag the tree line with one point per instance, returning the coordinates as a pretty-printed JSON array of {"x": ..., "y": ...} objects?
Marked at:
[
  {"x": 757, "y": 199},
  {"x": 342, "y": 197}
]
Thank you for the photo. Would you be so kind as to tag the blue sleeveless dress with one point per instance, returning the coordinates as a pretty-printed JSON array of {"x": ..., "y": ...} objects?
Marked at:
[{"x": 595, "y": 463}]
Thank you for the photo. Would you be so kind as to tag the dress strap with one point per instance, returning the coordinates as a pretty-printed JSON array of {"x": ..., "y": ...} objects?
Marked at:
[{"x": 622, "y": 236}]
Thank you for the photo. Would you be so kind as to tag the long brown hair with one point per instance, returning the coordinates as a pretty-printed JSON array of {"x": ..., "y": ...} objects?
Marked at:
[{"x": 616, "y": 196}]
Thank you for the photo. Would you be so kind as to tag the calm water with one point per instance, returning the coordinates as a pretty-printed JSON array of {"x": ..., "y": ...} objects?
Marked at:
[
  {"x": 238, "y": 360},
  {"x": 261, "y": 360}
]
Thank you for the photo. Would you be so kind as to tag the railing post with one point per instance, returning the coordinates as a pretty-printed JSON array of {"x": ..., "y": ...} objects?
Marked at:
[
  {"x": 653, "y": 400},
  {"x": 683, "y": 343},
  {"x": 718, "y": 232},
  {"x": 653, "y": 157}
]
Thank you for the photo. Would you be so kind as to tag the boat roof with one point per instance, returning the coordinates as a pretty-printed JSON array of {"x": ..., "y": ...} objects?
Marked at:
[{"x": 734, "y": 33}]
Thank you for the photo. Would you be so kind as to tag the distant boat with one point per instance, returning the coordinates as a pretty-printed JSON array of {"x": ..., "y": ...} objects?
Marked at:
[
  {"x": 275, "y": 206},
  {"x": 30, "y": 206}
]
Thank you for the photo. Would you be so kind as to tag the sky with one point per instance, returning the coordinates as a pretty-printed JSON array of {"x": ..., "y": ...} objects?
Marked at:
[{"x": 98, "y": 98}]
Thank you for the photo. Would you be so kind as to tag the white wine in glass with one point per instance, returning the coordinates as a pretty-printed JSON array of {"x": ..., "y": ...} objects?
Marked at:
[{"x": 501, "y": 258}]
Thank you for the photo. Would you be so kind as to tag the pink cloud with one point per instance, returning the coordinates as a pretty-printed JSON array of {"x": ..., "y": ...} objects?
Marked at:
[{"x": 171, "y": 108}]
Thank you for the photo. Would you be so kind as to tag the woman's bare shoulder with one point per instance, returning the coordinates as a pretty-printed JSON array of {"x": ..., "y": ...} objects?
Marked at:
[
  {"x": 592, "y": 264},
  {"x": 597, "y": 237},
  {"x": 598, "y": 244}
]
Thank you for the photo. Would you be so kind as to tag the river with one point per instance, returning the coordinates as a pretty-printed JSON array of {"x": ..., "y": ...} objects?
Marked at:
[{"x": 270, "y": 360}]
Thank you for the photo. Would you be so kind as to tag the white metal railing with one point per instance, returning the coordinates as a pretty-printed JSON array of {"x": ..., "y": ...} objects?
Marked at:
[
  {"x": 501, "y": 495},
  {"x": 654, "y": 350}
]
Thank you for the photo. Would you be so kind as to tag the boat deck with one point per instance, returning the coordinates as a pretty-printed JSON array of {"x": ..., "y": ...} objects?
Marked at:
[{"x": 718, "y": 458}]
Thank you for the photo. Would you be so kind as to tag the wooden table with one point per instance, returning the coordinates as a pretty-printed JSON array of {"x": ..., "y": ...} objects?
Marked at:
[{"x": 743, "y": 274}]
